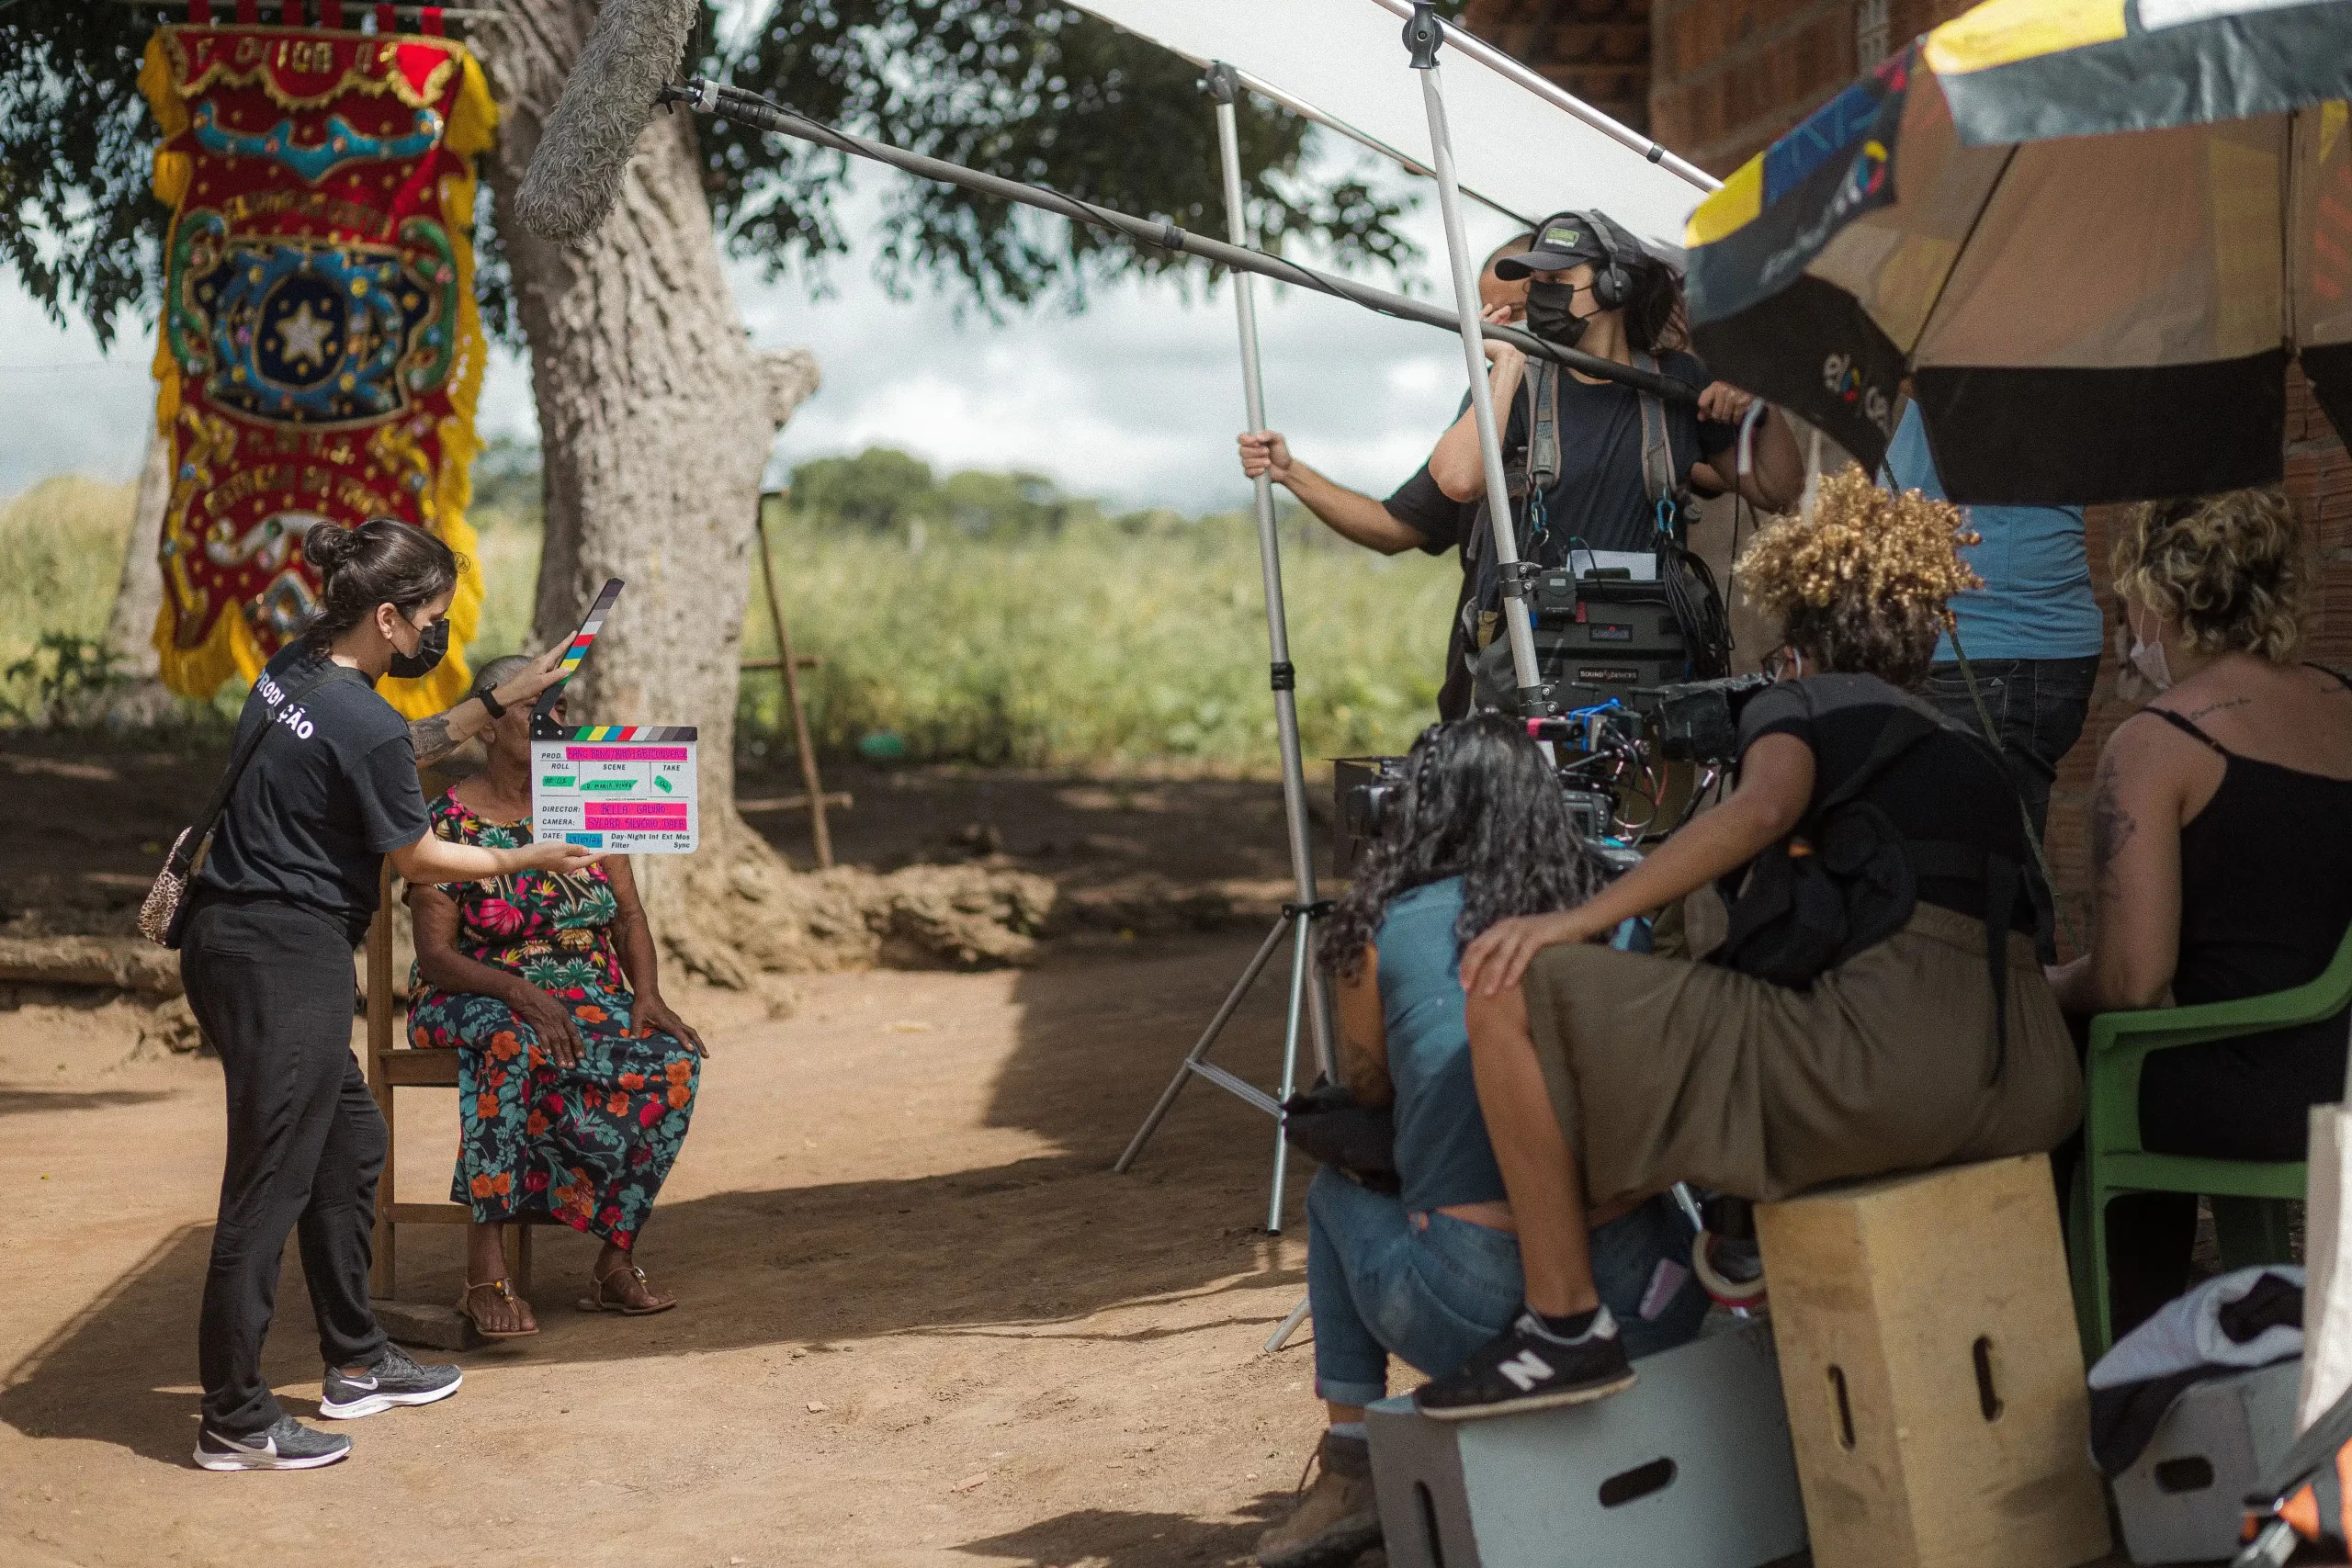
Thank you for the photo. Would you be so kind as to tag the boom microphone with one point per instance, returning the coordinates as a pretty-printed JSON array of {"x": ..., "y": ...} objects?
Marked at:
[{"x": 575, "y": 173}]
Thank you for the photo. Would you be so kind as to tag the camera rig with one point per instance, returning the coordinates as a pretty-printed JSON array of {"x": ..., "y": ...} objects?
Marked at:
[{"x": 1612, "y": 757}]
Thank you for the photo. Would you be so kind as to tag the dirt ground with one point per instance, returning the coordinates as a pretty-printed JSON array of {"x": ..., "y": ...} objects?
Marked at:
[
  {"x": 922, "y": 1322},
  {"x": 87, "y": 820}
]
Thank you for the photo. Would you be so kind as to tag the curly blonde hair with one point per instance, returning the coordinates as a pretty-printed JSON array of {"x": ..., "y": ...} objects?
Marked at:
[
  {"x": 2227, "y": 570},
  {"x": 1862, "y": 587}
]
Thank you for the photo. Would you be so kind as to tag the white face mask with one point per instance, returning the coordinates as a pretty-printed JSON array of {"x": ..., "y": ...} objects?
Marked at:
[{"x": 2148, "y": 657}]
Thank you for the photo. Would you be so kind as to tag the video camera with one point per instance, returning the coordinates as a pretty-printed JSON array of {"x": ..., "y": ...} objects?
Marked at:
[{"x": 1604, "y": 750}]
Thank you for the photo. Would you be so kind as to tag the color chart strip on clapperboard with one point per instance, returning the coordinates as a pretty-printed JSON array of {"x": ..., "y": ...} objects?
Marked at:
[
  {"x": 635, "y": 734},
  {"x": 586, "y": 635}
]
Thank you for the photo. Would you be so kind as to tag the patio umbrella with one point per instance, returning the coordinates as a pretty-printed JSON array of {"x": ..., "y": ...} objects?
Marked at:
[{"x": 2092, "y": 234}]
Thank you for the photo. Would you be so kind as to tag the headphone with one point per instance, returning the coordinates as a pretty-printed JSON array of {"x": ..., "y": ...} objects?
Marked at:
[{"x": 1612, "y": 285}]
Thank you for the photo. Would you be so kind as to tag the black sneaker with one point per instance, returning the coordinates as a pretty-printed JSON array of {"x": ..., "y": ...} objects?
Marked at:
[
  {"x": 1524, "y": 1368},
  {"x": 395, "y": 1380},
  {"x": 288, "y": 1445}
]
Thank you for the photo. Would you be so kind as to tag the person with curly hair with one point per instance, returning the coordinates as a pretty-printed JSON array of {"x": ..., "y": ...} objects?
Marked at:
[
  {"x": 2219, "y": 849},
  {"x": 1428, "y": 1273},
  {"x": 1605, "y": 1076}
]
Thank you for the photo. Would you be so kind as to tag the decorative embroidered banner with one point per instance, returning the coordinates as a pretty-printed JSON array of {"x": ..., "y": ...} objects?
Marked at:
[{"x": 320, "y": 352}]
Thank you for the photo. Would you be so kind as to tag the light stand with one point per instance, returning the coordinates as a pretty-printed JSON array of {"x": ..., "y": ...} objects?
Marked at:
[
  {"x": 1422, "y": 35},
  {"x": 1298, "y": 916}
]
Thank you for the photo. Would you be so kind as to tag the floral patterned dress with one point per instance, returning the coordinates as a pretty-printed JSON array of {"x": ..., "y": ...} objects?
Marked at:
[{"x": 590, "y": 1144}]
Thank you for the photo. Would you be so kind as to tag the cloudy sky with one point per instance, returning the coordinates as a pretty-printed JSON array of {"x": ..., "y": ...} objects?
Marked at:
[{"x": 1136, "y": 401}]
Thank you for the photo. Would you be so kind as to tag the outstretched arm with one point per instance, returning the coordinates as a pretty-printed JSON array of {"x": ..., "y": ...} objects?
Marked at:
[
  {"x": 443, "y": 732},
  {"x": 1775, "y": 787},
  {"x": 1350, "y": 514}
]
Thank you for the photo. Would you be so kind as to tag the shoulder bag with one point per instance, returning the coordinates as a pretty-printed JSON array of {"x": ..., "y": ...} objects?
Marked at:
[{"x": 165, "y": 911}]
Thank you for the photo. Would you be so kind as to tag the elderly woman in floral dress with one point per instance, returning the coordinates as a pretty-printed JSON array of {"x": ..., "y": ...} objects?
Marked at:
[{"x": 574, "y": 1090}]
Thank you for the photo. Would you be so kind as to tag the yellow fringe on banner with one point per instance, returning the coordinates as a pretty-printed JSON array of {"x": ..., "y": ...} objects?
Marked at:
[{"x": 230, "y": 649}]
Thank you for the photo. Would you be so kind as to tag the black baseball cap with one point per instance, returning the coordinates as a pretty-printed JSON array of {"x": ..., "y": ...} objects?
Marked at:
[{"x": 1561, "y": 240}]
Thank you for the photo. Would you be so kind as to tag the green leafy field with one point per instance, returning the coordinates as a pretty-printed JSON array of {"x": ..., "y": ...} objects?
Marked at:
[
  {"x": 1136, "y": 641},
  {"x": 1107, "y": 643}
]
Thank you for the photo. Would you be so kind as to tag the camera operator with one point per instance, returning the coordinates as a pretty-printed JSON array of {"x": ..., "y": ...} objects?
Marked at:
[
  {"x": 1920, "y": 1033},
  {"x": 1594, "y": 288},
  {"x": 1425, "y": 1267},
  {"x": 1418, "y": 516}
]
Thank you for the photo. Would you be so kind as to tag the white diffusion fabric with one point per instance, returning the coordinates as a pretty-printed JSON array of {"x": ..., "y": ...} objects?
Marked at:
[{"x": 1345, "y": 60}]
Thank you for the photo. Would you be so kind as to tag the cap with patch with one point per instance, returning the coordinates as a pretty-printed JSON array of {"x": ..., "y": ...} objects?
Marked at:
[{"x": 1562, "y": 241}]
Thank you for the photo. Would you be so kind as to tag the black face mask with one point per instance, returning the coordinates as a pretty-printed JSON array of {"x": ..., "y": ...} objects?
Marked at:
[
  {"x": 1551, "y": 314},
  {"x": 432, "y": 647}
]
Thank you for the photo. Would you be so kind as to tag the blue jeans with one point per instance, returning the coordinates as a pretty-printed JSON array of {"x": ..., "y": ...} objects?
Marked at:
[{"x": 1430, "y": 1289}]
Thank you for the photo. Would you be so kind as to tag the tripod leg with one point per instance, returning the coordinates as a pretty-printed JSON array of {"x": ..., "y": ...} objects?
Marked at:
[
  {"x": 1289, "y": 1326},
  {"x": 1302, "y": 978},
  {"x": 1208, "y": 1038}
]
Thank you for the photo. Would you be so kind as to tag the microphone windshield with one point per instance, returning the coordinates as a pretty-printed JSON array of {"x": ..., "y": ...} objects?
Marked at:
[{"x": 632, "y": 52}]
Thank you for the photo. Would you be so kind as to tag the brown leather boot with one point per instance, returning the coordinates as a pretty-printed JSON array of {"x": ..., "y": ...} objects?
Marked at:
[{"x": 1336, "y": 1518}]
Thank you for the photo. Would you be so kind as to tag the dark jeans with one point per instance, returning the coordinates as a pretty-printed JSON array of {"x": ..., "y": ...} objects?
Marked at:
[
  {"x": 2037, "y": 704},
  {"x": 271, "y": 985}
]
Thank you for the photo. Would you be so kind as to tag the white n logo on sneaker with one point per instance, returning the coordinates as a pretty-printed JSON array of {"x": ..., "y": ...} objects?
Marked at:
[{"x": 1525, "y": 1370}]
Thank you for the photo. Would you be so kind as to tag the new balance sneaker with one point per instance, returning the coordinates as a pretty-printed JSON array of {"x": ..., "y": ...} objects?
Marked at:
[
  {"x": 287, "y": 1445},
  {"x": 1525, "y": 1367},
  {"x": 395, "y": 1380}
]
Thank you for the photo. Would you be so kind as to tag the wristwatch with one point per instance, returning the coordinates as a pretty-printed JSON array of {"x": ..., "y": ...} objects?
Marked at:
[{"x": 489, "y": 695}]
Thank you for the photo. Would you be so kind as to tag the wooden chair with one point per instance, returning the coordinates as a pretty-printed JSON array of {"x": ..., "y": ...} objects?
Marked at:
[{"x": 393, "y": 1065}]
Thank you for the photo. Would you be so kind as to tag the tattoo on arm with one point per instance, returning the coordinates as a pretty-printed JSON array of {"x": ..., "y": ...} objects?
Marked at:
[
  {"x": 2111, "y": 829},
  {"x": 431, "y": 738}
]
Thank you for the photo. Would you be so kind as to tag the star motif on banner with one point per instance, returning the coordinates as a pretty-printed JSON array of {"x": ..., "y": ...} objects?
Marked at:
[{"x": 304, "y": 337}]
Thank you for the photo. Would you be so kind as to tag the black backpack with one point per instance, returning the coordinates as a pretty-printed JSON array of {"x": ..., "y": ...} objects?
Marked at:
[{"x": 1848, "y": 879}]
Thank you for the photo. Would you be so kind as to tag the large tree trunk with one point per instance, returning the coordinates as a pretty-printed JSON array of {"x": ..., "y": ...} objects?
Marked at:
[
  {"x": 143, "y": 699},
  {"x": 656, "y": 417}
]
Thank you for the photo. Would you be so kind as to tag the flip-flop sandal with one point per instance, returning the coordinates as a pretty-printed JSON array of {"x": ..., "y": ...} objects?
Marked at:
[
  {"x": 599, "y": 1301},
  {"x": 504, "y": 1290}
]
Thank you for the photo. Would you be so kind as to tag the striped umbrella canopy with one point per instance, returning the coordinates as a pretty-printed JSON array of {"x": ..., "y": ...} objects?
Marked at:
[{"x": 2090, "y": 233}]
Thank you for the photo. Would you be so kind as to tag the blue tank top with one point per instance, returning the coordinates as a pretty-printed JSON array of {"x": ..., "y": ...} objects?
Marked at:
[{"x": 1442, "y": 1149}]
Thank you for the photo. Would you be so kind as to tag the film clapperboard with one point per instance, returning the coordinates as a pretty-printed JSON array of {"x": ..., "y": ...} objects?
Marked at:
[{"x": 625, "y": 789}]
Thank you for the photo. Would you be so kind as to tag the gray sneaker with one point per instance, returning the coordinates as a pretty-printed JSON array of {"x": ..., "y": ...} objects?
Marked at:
[
  {"x": 287, "y": 1445},
  {"x": 397, "y": 1379}
]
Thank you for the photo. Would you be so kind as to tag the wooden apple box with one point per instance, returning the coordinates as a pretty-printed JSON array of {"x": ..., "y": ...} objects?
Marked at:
[{"x": 1932, "y": 1371}]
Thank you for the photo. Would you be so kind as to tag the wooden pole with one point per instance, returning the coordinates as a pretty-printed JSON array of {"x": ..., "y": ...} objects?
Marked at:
[
  {"x": 379, "y": 1082},
  {"x": 791, "y": 671}
]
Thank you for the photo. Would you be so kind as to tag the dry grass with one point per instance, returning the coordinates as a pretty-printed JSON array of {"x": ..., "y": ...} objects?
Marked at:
[{"x": 61, "y": 543}]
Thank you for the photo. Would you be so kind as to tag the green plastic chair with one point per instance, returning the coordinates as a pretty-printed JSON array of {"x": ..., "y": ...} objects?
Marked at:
[{"x": 2249, "y": 1197}]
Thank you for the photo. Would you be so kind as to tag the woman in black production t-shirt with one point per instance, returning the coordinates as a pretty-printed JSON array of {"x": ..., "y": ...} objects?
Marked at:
[{"x": 283, "y": 894}]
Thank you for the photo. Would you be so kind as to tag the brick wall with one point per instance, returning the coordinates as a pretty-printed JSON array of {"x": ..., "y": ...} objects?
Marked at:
[
  {"x": 1598, "y": 50},
  {"x": 1726, "y": 76}
]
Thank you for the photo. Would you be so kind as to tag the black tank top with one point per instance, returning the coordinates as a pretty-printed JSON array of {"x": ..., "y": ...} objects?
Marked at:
[{"x": 2266, "y": 879}]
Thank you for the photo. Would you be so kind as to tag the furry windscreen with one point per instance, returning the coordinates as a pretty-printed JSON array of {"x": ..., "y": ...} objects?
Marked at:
[{"x": 574, "y": 176}]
